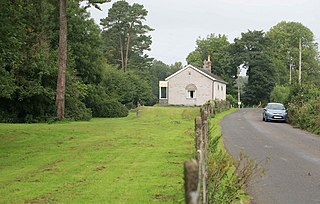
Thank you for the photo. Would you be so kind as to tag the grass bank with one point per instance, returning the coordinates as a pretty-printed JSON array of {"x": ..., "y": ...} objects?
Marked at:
[
  {"x": 123, "y": 160},
  {"x": 225, "y": 180}
]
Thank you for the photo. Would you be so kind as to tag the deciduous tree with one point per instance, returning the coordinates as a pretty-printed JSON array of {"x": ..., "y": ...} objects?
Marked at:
[
  {"x": 250, "y": 51},
  {"x": 218, "y": 47},
  {"x": 284, "y": 49}
]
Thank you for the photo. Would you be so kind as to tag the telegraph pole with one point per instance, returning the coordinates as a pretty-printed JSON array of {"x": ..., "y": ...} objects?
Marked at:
[
  {"x": 300, "y": 61},
  {"x": 238, "y": 83},
  {"x": 290, "y": 73},
  {"x": 239, "y": 102}
]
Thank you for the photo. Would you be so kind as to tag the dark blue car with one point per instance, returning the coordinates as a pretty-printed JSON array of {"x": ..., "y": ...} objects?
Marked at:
[{"x": 275, "y": 112}]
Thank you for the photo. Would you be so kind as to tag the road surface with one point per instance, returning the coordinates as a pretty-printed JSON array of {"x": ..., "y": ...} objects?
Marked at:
[{"x": 293, "y": 172}]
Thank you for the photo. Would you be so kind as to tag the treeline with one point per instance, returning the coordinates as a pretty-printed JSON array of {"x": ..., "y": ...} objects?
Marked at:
[
  {"x": 107, "y": 70},
  {"x": 268, "y": 57},
  {"x": 265, "y": 55},
  {"x": 109, "y": 73}
]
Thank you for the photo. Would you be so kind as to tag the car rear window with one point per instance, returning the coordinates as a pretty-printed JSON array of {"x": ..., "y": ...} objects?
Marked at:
[{"x": 275, "y": 107}]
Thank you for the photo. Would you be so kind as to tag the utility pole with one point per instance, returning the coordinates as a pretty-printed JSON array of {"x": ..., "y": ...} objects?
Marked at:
[
  {"x": 239, "y": 102},
  {"x": 291, "y": 66},
  {"x": 290, "y": 73},
  {"x": 238, "y": 82},
  {"x": 300, "y": 61}
]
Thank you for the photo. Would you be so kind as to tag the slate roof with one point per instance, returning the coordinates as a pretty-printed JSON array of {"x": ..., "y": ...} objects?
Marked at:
[{"x": 202, "y": 71}]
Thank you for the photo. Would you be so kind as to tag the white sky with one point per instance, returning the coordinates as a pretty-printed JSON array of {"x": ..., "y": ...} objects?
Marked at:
[{"x": 179, "y": 23}]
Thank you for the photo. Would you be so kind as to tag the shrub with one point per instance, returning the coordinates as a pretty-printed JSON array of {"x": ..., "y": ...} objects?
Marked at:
[
  {"x": 280, "y": 94},
  {"x": 233, "y": 102},
  {"x": 102, "y": 105},
  {"x": 76, "y": 110},
  {"x": 304, "y": 108},
  {"x": 29, "y": 110},
  {"x": 112, "y": 109}
]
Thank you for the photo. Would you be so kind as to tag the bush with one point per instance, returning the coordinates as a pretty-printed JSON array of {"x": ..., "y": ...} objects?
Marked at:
[
  {"x": 304, "y": 108},
  {"x": 112, "y": 109},
  {"x": 33, "y": 109},
  {"x": 76, "y": 110},
  {"x": 102, "y": 105},
  {"x": 280, "y": 94},
  {"x": 233, "y": 102}
]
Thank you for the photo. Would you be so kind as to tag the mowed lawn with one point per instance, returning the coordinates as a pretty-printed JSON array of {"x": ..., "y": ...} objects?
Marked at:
[{"x": 121, "y": 160}]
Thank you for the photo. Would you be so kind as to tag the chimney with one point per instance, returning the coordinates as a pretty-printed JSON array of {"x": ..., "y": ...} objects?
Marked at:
[{"x": 207, "y": 64}]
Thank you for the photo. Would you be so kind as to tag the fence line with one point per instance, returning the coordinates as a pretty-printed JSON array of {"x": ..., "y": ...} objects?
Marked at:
[{"x": 196, "y": 171}]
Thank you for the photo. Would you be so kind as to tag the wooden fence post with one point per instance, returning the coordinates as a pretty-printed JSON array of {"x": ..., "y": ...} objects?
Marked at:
[
  {"x": 191, "y": 179},
  {"x": 198, "y": 138},
  {"x": 205, "y": 130},
  {"x": 204, "y": 159}
]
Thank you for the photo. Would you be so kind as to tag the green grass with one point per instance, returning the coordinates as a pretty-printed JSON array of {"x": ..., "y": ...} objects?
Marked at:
[
  {"x": 123, "y": 160},
  {"x": 223, "y": 182},
  {"x": 215, "y": 127}
]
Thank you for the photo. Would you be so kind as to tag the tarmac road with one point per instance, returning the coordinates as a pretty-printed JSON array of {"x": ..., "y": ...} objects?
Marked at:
[{"x": 293, "y": 172}]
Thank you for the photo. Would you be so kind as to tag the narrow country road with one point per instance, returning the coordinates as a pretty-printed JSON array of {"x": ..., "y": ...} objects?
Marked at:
[{"x": 293, "y": 172}]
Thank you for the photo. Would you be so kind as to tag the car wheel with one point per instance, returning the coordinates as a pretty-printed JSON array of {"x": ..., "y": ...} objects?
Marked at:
[{"x": 263, "y": 118}]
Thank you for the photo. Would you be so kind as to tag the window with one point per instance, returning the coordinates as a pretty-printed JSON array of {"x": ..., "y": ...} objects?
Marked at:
[
  {"x": 163, "y": 92},
  {"x": 191, "y": 94},
  {"x": 218, "y": 87},
  {"x": 191, "y": 91}
]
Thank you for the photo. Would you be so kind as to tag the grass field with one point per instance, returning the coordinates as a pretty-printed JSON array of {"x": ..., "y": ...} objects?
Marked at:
[{"x": 123, "y": 160}]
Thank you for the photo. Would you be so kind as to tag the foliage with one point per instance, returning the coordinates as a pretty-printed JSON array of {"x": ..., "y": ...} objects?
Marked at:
[
  {"x": 195, "y": 58},
  {"x": 251, "y": 53},
  {"x": 218, "y": 48},
  {"x": 29, "y": 52},
  {"x": 284, "y": 48},
  {"x": 99, "y": 161},
  {"x": 27, "y": 67},
  {"x": 129, "y": 88},
  {"x": 125, "y": 36},
  {"x": 233, "y": 101},
  {"x": 103, "y": 105},
  {"x": 28, "y": 70},
  {"x": 84, "y": 42},
  {"x": 77, "y": 110},
  {"x": 304, "y": 107},
  {"x": 280, "y": 94}
]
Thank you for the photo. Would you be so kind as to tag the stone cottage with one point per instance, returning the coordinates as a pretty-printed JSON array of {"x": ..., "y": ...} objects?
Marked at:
[{"x": 192, "y": 86}]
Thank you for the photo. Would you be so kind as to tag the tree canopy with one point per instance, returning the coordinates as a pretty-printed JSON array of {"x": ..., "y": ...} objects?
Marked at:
[
  {"x": 284, "y": 49},
  {"x": 108, "y": 71},
  {"x": 125, "y": 34},
  {"x": 266, "y": 56}
]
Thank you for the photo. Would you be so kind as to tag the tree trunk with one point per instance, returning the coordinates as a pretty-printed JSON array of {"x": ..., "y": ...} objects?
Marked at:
[
  {"x": 61, "y": 82},
  {"x": 127, "y": 52},
  {"x": 121, "y": 55}
]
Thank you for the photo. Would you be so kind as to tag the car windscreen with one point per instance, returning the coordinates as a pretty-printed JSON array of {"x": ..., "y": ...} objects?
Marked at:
[{"x": 275, "y": 107}]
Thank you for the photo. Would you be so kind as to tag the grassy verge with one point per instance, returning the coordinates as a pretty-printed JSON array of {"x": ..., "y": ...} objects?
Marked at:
[
  {"x": 124, "y": 160},
  {"x": 224, "y": 185},
  {"x": 215, "y": 128}
]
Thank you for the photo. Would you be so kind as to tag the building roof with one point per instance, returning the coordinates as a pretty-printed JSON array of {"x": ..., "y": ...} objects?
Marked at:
[{"x": 202, "y": 71}]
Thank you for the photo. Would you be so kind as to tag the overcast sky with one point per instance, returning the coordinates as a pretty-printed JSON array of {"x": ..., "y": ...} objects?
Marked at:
[{"x": 179, "y": 23}]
